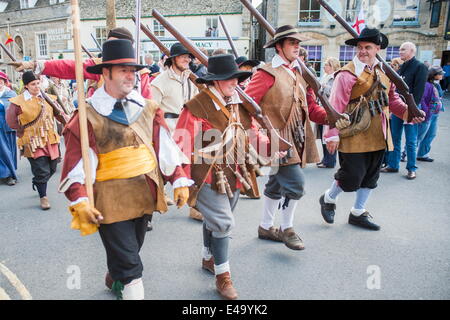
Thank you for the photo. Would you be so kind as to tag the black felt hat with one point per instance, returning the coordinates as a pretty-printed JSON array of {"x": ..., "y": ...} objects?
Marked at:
[
  {"x": 370, "y": 35},
  {"x": 28, "y": 77},
  {"x": 177, "y": 49},
  {"x": 283, "y": 32},
  {"x": 243, "y": 61},
  {"x": 118, "y": 52},
  {"x": 223, "y": 67}
]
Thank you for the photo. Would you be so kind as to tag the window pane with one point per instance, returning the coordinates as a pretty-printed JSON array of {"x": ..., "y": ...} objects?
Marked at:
[{"x": 309, "y": 11}]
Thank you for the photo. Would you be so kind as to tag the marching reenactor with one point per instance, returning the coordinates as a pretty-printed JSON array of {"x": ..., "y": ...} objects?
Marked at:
[
  {"x": 172, "y": 89},
  {"x": 34, "y": 120},
  {"x": 219, "y": 170},
  {"x": 132, "y": 155},
  {"x": 280, "y": 90},
  {"x": 363, "y": 91}
]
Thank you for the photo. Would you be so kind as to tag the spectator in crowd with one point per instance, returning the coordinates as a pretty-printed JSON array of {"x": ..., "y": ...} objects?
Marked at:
[
  {"x": 446, "y": 76},
  {"x": 8, "y": 149},
  {"x": 415, "y": 74},
  {"x": 219, "y": 51},
  {"x": 197, "y": 67},
  {"x": 432, "y": 105},
  {"x": 151, "y": 65},
  {"x": 331, "y": 66}
]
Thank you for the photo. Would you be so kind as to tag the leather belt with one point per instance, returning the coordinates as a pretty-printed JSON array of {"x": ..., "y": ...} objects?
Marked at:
[{"x": 170, "y": 115}]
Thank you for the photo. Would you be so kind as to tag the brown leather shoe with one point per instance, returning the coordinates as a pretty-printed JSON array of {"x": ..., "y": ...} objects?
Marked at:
[
  {"x": 271, "y": 234},
  {"x": 208, "y": 265},
  {"x": 291, "y": 239},
  {"x": 45, "y": 205},
  {"x": 411, "y": 175},
  {"x": 388, "y": 170},
  {"x": 225, "y": 287},
  {"x": 196, "y": 215},
  {"x": 108, "y": 281}
]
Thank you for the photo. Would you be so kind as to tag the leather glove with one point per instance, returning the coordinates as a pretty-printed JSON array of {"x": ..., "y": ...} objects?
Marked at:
[
  {"x": 85, "y": 218},
  {"x": 181, "y": 196},
  {"x": 23, "y": 65},
  {"x": 343, "y": 122}
]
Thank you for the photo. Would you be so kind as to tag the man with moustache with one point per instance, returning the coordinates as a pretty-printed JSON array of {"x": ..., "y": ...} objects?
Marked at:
[{"x": 358, "y": 84}]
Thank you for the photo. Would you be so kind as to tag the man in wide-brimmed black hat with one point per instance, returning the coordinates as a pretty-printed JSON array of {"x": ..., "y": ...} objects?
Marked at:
[
  {"x": 172, "y": 88},
  {"x": 217, "y": 111},
  {"x": 362, "y": 90},
  {"x": 133, "y": 154},
  {"x": 289, "y": 103},
  {"x": 245, "y": 64},
  {"x": 65, "y": 68}
]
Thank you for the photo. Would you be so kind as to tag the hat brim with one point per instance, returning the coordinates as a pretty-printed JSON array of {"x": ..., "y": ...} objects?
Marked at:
[
  {"x": 97, "y": 69},
  {"x": 296, "y": 35},
  {"x": 251, "y": 63},
  {"x": 240, "y": 75},
  {"x": 383, "y": 45}
]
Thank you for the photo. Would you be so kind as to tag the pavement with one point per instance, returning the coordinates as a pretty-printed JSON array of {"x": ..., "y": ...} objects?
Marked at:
[{"x": 42, "y": 258}]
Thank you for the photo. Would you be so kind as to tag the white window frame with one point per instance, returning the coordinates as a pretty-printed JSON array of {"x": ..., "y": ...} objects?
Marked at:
[
  {"x": 38, "y": 45},
  {"x": 103, "y": 35},
  {"x": 300, "y": 9},
  {"x": 24, "y": 4},
  {"x": 405, "y": 23},
  {"x": 158, "y": 29}
]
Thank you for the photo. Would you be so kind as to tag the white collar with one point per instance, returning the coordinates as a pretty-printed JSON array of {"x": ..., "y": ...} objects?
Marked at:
[
  {"x": 180, "y": 77},
  {"x": 359, "y": 66},
  {"x": 278, "y": 61},
  {"x": 27, "y": 95},
  {"x": 103, "y": 103},
  {"x": 234, "y": 98},
  {"x": 3, "y": 91}
]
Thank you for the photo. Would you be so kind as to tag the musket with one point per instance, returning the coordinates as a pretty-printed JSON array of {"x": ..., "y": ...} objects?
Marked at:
[
  {"x": 87, "y": 52},
  {"x": 166, "y": 51},
  {"x": 401, "y": 85},
  {"x": 310, "y": 78},
  {"x": 58, "y": 111},
  {"x": 99, "y": 47},
  {"x": 249, "y": 104},
  {"x": 224, "y": 27}
]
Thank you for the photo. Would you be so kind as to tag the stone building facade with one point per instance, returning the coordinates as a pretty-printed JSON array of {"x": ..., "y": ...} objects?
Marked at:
[
  {"x": 422, "y": 22},
  {"x": 41, "y": 29}
]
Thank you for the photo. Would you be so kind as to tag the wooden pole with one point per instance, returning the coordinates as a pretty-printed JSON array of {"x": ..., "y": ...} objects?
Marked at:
[
  {"x": 84, "y": 139},
  {"x": 110, "y": 15}
]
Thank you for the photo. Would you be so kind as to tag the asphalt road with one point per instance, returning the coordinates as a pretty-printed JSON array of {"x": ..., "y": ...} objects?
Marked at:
[{"x": 42, "y": 258}]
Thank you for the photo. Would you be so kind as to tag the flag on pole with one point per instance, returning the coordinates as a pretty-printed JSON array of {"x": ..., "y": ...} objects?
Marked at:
[
  {"x": 9, "y": 39},
  {"x": 360, "y": 23}
]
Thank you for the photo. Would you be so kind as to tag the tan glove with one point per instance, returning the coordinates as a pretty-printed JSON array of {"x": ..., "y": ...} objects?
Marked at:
[
  {"x": 181, "y": 196},
  {"x": 23, "y": 65},
  {"x": 85, "y": 218},
  {"x": 343, "y": 122}
]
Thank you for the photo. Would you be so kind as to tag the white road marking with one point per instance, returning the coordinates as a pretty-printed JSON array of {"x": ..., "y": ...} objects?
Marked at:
[
  {"x": 15, "y": 282},
  {"x": 4, "y": 295}
]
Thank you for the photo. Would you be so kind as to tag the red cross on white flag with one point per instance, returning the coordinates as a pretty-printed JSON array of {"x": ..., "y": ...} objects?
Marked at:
[{"x": 360, "y": 22}]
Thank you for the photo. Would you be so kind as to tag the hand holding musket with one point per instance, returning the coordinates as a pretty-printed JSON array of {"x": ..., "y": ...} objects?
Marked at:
[
  {"x": 310, "y": 78},
  {"x": 402, "y": 87},
  {"x": 249, "y": 104}
]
